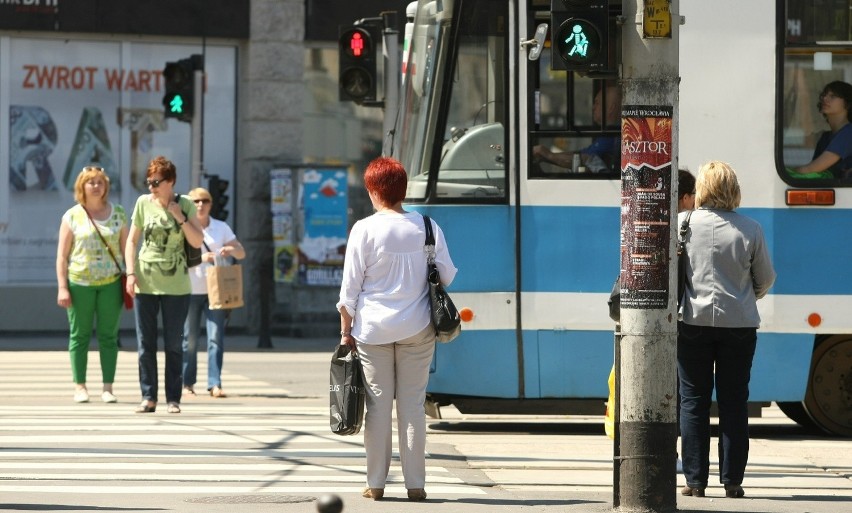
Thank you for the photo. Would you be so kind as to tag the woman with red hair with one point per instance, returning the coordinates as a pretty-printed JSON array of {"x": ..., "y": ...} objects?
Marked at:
[{"x": 384, "y": 316}]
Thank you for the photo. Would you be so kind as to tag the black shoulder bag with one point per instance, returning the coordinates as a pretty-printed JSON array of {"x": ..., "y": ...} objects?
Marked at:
[
  {"x": 682, "y": 258},
  {"x": 445, "y": 316},
  {"x": 193, "y": 254}
]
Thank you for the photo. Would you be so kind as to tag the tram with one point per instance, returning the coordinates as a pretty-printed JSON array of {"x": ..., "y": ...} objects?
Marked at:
[{"x": 537, "y": 244}]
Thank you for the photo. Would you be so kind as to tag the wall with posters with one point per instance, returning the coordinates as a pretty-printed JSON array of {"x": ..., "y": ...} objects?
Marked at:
[{"x": 70, "y": 102}]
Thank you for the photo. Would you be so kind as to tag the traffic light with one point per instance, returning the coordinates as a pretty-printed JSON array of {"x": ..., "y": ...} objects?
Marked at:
[
  {"x": 357, "y": 71},
  {"x": 580, "y": 37},
  {"x": 217, "y": 188},
  {"x": 179, "y": 78}
]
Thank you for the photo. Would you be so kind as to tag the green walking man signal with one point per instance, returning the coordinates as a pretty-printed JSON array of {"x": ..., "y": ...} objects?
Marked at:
[
  {"x": 580, "y": 34},
  {"x": 177, "y": 104},
  {"x": 179, "y": 85}
]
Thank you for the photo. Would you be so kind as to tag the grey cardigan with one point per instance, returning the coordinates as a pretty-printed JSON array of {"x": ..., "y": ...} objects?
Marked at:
[{"x": 728, "y": 269}]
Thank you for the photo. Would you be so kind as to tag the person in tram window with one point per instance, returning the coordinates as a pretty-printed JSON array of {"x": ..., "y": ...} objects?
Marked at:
[
  {"x": 728, "y": 270},
  {"x": 602, "y": 154},
  {"x": 832, "y": 157}
]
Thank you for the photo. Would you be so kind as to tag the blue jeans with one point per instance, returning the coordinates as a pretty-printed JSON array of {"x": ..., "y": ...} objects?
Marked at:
[
  {"x": 148, "y": 307},
  {"x": 704, "y": 355},
  {"x": 198, "y": 304}
]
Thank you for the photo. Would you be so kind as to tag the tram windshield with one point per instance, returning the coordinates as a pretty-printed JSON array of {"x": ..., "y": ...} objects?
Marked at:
[{"x": 454, "y": 99}]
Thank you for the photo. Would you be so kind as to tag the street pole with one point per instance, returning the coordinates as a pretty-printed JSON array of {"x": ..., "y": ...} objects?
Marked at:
[
  {"x": 196, "y": 128},
  {"x": 648, "y": 403},
  {"x": 392, "y": 79}
]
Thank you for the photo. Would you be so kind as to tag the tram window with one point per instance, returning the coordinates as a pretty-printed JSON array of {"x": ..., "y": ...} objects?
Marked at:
[
  {"x": 473, "y": 151},
  {"x": 816, "y": 102},
  {"x": 577, "y": 130}
]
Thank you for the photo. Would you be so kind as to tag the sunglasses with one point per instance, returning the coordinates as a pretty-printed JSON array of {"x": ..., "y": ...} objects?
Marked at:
[
  {"x": 153, "y": 183},
  {"x": 202, "y": 200}
]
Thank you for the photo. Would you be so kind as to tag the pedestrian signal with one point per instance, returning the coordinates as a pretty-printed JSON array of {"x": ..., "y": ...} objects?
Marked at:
[
  {"x": 357, "y": 59},
  {"x": 580, "y": 35},
  {"x": 218, "y": 188},
  {"x": 179, "y": 85}
]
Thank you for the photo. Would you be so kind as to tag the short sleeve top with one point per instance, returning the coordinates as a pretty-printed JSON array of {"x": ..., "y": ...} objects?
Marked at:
[
  {"x": 161, "y": 262},
  {"x": 89, "y": 262}
]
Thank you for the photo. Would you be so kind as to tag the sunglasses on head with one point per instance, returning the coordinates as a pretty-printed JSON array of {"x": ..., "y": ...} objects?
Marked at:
[
  {"x": 201, "y": 200},
  {"x": 153, "y": 183}
]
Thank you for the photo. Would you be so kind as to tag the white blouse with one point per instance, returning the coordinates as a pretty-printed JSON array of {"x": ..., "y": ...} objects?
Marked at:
[{"x": 384, "y": 276}]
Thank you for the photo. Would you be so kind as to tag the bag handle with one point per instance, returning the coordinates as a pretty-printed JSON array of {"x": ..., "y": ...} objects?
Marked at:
[
  {"x": 430, "y": 241},
  {"x": 684, "y": 227},
  {"x": 98, "y": 231}
]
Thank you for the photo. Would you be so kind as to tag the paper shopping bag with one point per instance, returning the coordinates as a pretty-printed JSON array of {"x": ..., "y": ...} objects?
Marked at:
[{"x": 225, "y": 286}]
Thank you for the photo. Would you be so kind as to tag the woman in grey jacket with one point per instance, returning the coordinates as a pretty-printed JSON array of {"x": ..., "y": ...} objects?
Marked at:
[{"x": 728, "y": 271}]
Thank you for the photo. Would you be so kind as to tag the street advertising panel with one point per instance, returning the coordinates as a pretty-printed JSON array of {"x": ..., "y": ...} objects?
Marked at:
[
  {"x": 646, "y": 169},
  {"x": 70, "y": 103}
]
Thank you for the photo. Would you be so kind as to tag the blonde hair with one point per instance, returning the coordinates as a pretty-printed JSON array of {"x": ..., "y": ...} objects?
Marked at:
[
  {"x": 200, "y": 193},
  {"x": 88, "y": 173},
  {"x": 717, "y": 186}
]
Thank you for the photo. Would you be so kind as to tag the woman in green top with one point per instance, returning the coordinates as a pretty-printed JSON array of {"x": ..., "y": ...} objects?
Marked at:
[
  {"x": 159, "y": 279},
  {"x": 87, "y": 273}
]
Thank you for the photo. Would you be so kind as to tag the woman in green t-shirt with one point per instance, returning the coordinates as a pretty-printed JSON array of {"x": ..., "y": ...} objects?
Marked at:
[{"x": 159, "y": 279}]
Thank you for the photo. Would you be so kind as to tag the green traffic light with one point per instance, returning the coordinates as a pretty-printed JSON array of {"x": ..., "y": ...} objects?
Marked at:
[{"x": 177, "y": 104}]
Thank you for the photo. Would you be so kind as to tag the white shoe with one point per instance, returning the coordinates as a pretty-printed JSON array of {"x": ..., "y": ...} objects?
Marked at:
[
  {"x": 108, "y": 397},
  {"x": 81, "y": 396}
]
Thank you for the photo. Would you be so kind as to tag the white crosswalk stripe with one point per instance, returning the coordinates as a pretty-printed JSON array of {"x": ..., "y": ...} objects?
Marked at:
[{"x": 254, "y": 441}]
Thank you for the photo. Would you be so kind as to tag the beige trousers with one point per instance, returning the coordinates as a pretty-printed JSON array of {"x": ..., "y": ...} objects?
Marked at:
[{"x": 400, "y": 370}]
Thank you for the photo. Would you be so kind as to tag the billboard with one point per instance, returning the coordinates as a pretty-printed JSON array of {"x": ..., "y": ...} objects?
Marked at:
[{"x": 66, "y": 104}]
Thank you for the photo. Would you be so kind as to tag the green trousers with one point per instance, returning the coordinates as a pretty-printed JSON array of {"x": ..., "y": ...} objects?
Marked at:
[{"x": 99, "y": 306}]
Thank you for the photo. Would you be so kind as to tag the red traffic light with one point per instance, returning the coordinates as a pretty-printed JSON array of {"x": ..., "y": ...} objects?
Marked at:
[{"x": 356, "y": 43}]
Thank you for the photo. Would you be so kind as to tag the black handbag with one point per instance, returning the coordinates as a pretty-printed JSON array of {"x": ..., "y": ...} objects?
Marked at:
[
  {"x": 193, "y": 254},
  {"x": 614, "y": 301},
  {"x": 682, "y": 258},
  {"x": 445, "y": 316},
  {"x": 347, "y": 392}
]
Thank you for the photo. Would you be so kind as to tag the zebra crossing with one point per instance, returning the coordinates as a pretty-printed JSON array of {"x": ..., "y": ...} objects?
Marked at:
[{"x": 246, "y": 444}]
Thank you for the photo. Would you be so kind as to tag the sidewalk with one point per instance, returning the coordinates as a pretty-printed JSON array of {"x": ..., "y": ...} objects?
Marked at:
[{"x": 235, "y": 342}]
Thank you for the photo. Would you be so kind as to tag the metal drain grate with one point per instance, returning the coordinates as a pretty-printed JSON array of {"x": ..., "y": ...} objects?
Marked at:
[{"x": 253, "y": 499}]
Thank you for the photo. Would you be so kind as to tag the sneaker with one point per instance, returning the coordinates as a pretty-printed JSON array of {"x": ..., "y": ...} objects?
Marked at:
[
  {"x": 108, "y": 397},
  {"x": 81, "y": 396}
]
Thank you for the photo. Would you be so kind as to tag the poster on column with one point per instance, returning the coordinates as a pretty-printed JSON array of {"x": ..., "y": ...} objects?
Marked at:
[
  {"x": 646, "y": 170},
  {"x": 72, "y": 103},
  {"x": 283, "y": 236},
  {"x": 325, "y": 205}
]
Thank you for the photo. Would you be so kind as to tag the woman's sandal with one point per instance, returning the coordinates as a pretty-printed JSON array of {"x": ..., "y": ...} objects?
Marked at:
[
  {"x": 217, "y": 392},
  {"x": 174, "y": 408},
  {"x": 146, "y": 407},
  {"x": 373, "y": 493}
]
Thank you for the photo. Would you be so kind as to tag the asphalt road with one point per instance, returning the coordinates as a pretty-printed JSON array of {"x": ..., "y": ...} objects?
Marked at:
[{"x": 267, "y": 448}]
